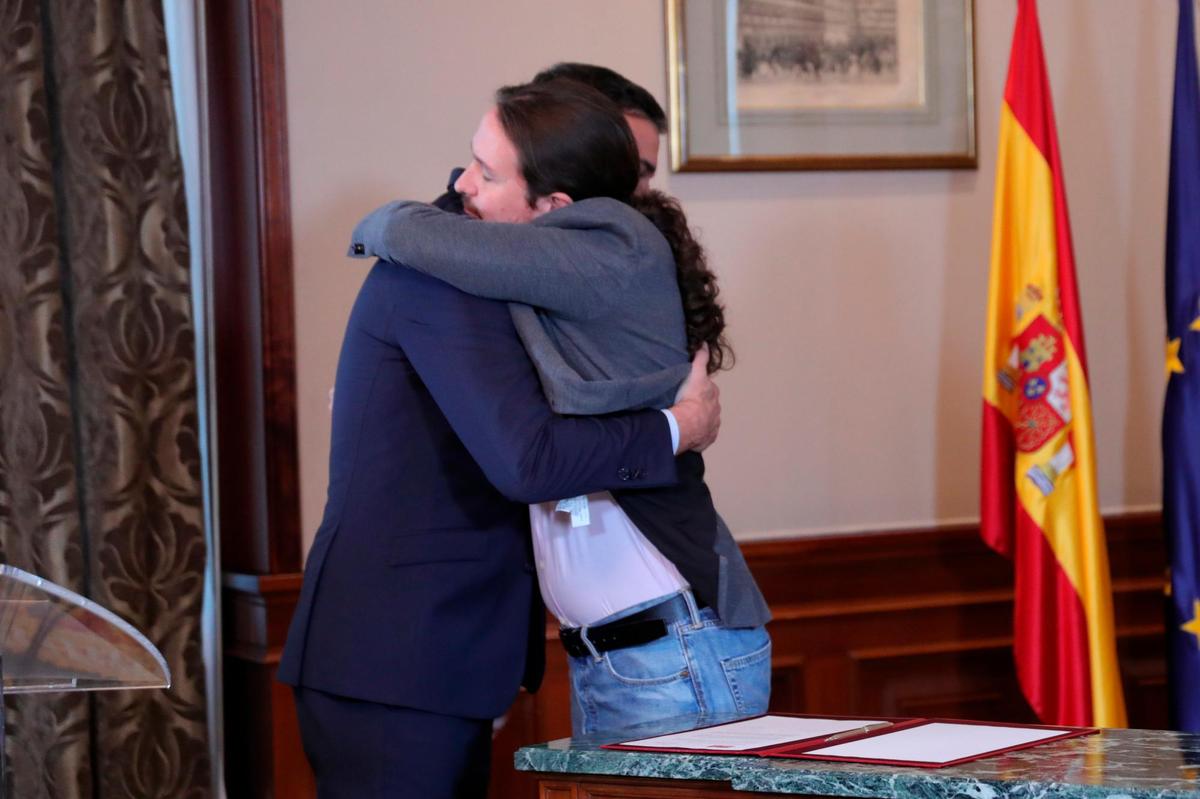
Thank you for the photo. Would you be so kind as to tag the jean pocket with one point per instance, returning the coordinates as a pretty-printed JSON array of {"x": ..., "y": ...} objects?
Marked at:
[
  {"x": 656, "y": 663},
  {"x": 749, "y": 678}
]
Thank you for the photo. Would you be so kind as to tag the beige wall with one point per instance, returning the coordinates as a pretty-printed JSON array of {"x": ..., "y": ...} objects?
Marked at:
[{"x": 856, "y": 299}]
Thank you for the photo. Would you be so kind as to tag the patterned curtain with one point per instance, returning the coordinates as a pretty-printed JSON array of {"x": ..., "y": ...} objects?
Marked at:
[{"x": 99, "y": 454}]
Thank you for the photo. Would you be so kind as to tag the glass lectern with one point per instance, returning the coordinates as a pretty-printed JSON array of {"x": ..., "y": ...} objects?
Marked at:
[{"x": 52, "y": 639}]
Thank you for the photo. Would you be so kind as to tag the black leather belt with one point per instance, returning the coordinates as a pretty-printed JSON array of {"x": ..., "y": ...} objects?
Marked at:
[{"x": 639, "y": 628}]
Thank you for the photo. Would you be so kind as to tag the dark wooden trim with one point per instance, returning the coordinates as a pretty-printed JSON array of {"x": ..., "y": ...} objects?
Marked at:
[
  {"x": 257, "y": 611},
  {"x": 253, "y": 334},
  {"x": 264, "y": 757},
  {"x": 253, "y": 308},
  {"x": 236, "y": 294},
  {"x": 278, "y": 306}
]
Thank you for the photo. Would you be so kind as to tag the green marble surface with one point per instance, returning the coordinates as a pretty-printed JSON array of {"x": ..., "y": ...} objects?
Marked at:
[{"x": 1140, "y": 764}]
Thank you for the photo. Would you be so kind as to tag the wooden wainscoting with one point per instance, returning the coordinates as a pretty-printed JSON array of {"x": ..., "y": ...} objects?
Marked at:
[
  {"x": 915, "y": 623},
  {"x": 263, "y": 754}
]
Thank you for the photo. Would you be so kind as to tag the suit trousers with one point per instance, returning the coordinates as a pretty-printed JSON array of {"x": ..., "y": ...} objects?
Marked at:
[{"x": 367, "y": 750}]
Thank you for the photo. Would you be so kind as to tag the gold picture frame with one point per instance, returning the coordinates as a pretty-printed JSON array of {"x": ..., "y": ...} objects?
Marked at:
[{"x": 778, "y": 85}]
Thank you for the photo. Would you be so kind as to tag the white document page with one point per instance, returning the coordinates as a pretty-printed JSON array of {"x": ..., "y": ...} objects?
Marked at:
[
  {"x": 753, "y": 733},
  {"x": 939, "y": 742}
]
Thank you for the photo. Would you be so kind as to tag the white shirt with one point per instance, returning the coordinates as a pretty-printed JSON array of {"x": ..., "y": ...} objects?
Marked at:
[{"x": 590, "y": 572}]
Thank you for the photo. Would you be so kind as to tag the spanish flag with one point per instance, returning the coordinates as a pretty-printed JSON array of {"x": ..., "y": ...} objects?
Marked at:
[{"x": 1038, "y": 499}]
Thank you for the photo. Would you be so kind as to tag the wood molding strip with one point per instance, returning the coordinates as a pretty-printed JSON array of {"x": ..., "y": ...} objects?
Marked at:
[{"x": 278, "y": 304}]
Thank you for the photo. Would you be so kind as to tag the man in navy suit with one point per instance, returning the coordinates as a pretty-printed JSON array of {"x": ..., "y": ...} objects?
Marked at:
[{"x": 419, "y": 616}]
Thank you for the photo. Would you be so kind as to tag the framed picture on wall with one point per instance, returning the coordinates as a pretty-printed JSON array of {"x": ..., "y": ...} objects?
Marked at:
[{"x": 821, "y": 84}]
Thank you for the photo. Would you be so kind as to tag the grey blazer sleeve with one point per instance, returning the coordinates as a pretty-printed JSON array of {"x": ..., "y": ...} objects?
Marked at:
[
  {"x": 569, "y": 393},
  {"x": 572, "y": 262}
]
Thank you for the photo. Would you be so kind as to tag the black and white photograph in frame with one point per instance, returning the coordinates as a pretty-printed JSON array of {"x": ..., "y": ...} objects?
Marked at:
[
  {"x": 821, "y": 84},
  {"x": 829, "y": 54}
]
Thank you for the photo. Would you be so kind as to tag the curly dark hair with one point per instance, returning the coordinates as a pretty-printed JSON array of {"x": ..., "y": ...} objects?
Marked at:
[
  {"x": 570, "y": 138},
  {"x": 703, "y": 314}
]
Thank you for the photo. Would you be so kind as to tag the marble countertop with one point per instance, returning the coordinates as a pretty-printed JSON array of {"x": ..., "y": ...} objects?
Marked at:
[{"x": 1140, "y": 764}]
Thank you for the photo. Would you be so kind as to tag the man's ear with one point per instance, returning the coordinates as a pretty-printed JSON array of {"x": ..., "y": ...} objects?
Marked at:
[{"x": 550, "y": 202}]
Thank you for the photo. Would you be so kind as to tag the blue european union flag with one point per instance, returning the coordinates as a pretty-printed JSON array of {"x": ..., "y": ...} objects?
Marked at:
[{"x": 1181, "y": 414}]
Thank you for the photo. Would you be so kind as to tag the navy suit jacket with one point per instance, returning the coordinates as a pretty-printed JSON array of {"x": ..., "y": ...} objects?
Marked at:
[{"x": 419, "y": 589}]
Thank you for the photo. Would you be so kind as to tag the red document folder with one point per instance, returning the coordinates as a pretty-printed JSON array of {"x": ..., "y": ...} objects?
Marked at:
[{"x": 922, "y": 743}]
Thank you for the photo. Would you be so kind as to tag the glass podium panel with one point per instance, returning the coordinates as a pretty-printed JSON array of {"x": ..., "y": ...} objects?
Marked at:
[{"x": 52, "y": 639}]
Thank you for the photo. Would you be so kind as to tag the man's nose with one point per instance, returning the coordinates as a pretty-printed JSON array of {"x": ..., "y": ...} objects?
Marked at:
[{"x": 465, "y": 183}]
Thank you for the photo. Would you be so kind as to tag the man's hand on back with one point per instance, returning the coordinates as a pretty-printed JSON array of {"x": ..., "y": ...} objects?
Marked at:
[{"x": 697, "y": 407}]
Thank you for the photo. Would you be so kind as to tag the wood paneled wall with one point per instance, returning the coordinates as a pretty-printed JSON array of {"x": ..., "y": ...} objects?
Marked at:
[{"x": 915, "y": 623}]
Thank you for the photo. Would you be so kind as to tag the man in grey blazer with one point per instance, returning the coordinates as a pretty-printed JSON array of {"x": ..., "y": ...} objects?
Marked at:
[{"x": 645, "y": 117}]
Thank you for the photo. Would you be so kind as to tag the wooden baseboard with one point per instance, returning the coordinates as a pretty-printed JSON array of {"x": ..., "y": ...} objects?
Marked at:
[
  {"x": 263, "y": 754},
  {"x": 905, "y": 623}
]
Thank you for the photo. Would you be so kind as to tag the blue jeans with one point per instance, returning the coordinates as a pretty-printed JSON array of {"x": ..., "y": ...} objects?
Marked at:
[{"x": 698, "y": 667}]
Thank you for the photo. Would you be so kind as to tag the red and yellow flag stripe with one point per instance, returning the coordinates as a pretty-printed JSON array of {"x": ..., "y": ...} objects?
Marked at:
[{"x": 1038, "y": 501}]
